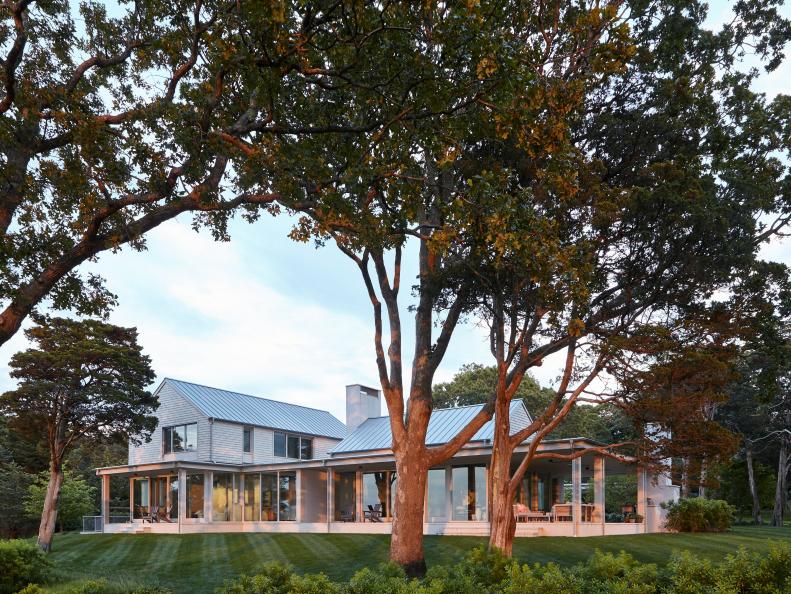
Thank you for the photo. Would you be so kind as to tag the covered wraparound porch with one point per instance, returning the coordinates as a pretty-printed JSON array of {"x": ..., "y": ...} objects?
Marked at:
[{"x": 591, "y": 495}]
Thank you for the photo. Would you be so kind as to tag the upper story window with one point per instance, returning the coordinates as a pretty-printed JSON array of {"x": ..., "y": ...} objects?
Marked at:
[
  {"x": 180, "y": 438},
  {"x": 247, "y": 440},
  {"x": 293, "y": 446}
]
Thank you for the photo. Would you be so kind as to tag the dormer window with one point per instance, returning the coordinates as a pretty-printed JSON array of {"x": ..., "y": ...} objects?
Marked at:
[
  {"x": 293, "y": 446},
  {"x": 180, "y": 438}
]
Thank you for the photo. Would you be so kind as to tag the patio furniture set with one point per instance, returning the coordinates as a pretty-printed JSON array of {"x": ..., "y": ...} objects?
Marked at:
[{"x": 561, "y": 512}]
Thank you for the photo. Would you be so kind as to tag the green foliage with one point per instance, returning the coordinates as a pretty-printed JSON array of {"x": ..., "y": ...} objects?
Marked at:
[
  {"x": 487, "y": 572},
  {"x": 21, "y": 563},
  {"x": 735, "y": 488},
  {"x": 14, "y": 483},
  {"x": 77, "y": 499},
  {"x": 103, "y": 586},
  {"x": 699, "y": 515}
]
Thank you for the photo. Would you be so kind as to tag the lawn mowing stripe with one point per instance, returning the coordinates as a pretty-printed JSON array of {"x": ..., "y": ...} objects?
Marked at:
[{"x": 263, "y": 549}]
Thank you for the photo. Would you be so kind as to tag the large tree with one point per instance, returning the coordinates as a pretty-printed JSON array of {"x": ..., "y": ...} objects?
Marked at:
[
  {"x": 481, "y": 64},
  {"x": 115, "y": 119},
  {"x": 82, "y": 381},
  {"x": 654, "y": 199}
]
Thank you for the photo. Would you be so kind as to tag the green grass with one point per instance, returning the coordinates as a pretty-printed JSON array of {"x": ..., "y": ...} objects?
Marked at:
[{"x": 200, "y": 562}]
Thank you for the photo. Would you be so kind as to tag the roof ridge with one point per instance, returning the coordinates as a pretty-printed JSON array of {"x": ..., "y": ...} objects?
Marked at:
[{"x": 172, "y": 379}]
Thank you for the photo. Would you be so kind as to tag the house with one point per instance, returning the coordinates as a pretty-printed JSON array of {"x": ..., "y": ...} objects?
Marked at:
[{"x": 220, "y": 461}]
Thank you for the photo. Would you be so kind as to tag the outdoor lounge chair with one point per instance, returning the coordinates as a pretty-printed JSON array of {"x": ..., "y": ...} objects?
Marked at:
[
  {"x": 163, "y": 515},
  {"x": 373, "y": 513},
  {"x": 525, "y": 514}
]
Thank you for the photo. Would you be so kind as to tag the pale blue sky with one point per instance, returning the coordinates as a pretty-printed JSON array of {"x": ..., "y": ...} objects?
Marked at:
[{"x": 266, "y": 316}]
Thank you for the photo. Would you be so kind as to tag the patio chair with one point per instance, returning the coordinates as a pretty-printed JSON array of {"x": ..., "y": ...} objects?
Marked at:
[
  {"x": 163, "y": 515},
  {"x": 347, "y": 515},
  {"x": 153, "y": 514},
  {"x": 373, "y": 513},
  {"x": 142, "y": 514},
  {"x": 521, "y": 512}
]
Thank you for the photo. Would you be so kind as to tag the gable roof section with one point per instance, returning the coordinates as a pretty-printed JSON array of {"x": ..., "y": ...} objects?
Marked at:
[
  {"x": 374, "y": 434},
  {"x": 224, "y": 405}
]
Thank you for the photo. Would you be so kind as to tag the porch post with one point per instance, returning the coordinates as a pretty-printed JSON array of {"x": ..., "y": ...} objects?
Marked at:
[
  {"x": 358, "y": 495},
  {"x": 330, "y": 497},
  {"x": 131, "y": 499},
  {"x": 182, "y": 495},
  {"x": 641, "y": 492},
  {"x": 300, "y": 497},
  {"x": 598, "y": 489},
  {"x": 208, "y": 482},
  {"x": 105, "y": 509},
  {"x": 576, "y": 492}
]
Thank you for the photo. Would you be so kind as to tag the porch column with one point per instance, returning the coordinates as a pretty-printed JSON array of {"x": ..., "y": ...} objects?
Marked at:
[
  {"x": 358, "y": 495},
  {"x": 598, "y": 488},
  {"x": 300, "y": 497},
  {"x": 182, "y": 495},
  {"x": 330, "y": 496},
  {"x": 208, "y": 482},
  {"x": 105, "y": 509},
  {"x": 641, "y": 493},
  {"x": 576, "y": 492},
  {"x": 131, "y": 499}
]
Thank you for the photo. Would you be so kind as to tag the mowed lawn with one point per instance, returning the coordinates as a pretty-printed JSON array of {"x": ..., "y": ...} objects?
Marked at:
[{"x": 201, "y": 562}]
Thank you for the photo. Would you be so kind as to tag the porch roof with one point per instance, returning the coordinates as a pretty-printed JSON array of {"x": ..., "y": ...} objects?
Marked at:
[{"x": 445, "y": 423}]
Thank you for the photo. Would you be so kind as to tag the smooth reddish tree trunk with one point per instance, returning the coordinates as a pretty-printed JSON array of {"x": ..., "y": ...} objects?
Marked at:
[
  {"x": 49, "y": 515},
  {"x": 501, "y": 512},
  {"x": 406, "y": 542}
]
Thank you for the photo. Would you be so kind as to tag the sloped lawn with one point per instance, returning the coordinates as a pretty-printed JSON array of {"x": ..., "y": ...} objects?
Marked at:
[{"x": 201, "y": 562}]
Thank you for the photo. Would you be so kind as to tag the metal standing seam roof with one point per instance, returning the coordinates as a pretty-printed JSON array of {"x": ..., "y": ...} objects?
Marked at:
[
  {"x": 374, "y": 434},
  {"x": 224, "y": 405}
]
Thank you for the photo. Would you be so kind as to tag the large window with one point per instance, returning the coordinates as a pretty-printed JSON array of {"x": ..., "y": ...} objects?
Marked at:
[
  {"x": 194, "y": 493},
  {"x": 180, "y": 438},
  {"x": 247, "y": 440},
  {"x": 345, "y": 490},
  {"x": 225, "y": 498},
  {"x": 469, "y": 492},
  {"x": 288, "y": 496},
  {"x": 252, "y": 498},
  {"x": 377, "y": 492},
  {"x": 269, "y": 497},
  {"x": 437, "y": 496},
  {"x": 141, "y": 500},
  {"x": 293, "y": 446}
]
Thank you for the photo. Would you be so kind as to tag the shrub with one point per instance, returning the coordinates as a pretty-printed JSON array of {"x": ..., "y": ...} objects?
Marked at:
[
  {"x": 102, "y": 586},
  {"x": 699, "y": 515},
  {"x": 21, "y": 563},
  {"x": 276, "y": 578}
]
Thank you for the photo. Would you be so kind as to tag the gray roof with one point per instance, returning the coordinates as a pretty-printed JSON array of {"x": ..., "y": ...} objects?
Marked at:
[
  {"x": 374, "y": 434},
  {"x": 252, "y": 410}
]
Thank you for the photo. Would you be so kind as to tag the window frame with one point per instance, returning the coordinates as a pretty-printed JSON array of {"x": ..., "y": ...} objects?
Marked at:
[
  {"x": 189, "y": 430},
  {"x": 247, "y": 439},
  {"x": 286, "y": 438}
]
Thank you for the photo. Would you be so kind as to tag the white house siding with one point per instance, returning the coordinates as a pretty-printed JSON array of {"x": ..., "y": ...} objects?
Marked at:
[
  {"x": 173, "y": 410},
  {"x": 227, "y": 442},
  {"x": 263, "y": 446},
  {"x": 322, "y": 446}
]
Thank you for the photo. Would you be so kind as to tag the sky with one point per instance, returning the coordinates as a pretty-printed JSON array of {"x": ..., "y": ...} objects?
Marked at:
[{"x": 264, "y": 315}]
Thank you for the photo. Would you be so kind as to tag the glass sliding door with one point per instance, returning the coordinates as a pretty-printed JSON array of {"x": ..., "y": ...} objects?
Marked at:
[
  {"x": 468, "y": 493},
  {"x": 173, "y": 510},
  {"x": 225, "y": 498},
  {"x": 269, "y": 497},
  {"x": 345, "y": 489},
  {"x": 287, "y": 506},
  {"x": 194, "y": 493},
  {"x": 140, "y": 498},
  {"x": 252, "y": 498},
  {"x": 437, "y": 507}
]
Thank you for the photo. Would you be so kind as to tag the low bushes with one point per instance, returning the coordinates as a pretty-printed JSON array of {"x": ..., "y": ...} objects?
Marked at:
[
  {"x": 699, "y": 515},
  {"x": 484, "y": 572},
  {"x": 21, "y": 563}
]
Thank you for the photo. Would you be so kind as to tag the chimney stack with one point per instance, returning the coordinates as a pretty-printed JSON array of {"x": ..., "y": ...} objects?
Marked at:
[{"x": 362, "y": 403}]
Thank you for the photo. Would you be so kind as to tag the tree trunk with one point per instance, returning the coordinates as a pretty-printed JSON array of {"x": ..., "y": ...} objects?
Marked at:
[
  {"x": 703, "y": 477},
  {"x": 778, "y": 513},
  {"x": 685, "y": 478},
  {"x": 501, "y": 513},
  {"x": 753, "y": 487},
  {"x": 406, "y": 541},
  {"x": 49, "y": 515}
]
